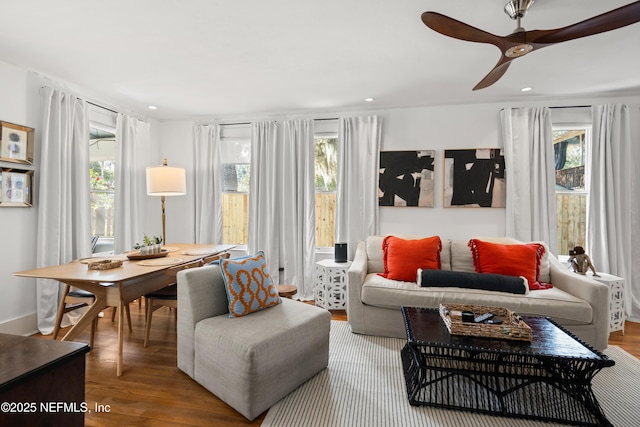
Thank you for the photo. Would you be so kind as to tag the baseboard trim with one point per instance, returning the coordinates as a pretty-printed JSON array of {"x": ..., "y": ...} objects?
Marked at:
[{"x": 25, "y": 325}]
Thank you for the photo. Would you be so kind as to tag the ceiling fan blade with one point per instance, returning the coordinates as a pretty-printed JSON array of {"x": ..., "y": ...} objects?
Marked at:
[
  {"x": 617, "y": 18},
  {"x": 494, "y": 75},
  {"x": 458, "y": 30}
]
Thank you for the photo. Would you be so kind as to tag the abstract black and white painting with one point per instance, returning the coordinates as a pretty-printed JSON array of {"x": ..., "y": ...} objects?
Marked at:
[
  {"x": 406, "y": 178},
  {"x": 474, "y": 178}
]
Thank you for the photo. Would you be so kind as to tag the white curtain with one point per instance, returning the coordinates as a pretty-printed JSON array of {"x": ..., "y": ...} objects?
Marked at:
[
  {"x": 208, "y": 184},
  {"x": 611, "y": 199},
  {"x": 264, "y": 196},
  {"x": 64, "y": 230},
  {"x": 132, "y": 139},
  {"x": 531, "y": 200},
  {"x": 297, "y": 218},
  {"x": 357, "y": 192}
]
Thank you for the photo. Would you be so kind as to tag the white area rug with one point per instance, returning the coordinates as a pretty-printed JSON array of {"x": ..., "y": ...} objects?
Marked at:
[{"x": 364, "y": 386}]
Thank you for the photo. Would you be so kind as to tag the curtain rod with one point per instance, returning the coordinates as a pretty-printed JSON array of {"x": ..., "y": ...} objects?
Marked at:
[
  {"x": 130, "y": 113},
  {"x": 81, "y": 97},
  {"x": 554, "y": 108},
  {"x": 100, "y": 106},
  {"x": 234, "y": 124},
  {"x": 248, "y": 123},
  {"x": 571, "y": 106}
]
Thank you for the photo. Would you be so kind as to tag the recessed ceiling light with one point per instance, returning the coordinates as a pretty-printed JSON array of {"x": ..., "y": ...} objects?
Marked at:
[
  {"x": 369, "y": 99},
  {"x": 526, "y": 89},
  {"x": 152, "y": 107}
]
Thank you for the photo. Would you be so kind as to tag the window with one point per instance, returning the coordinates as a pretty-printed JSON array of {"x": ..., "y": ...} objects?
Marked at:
[
  {"x": 570, "y": 146},
  {"x": 326, "y": 173},
  {"x": 102, "y": 178},
  {"x": 235, "y": 156}
]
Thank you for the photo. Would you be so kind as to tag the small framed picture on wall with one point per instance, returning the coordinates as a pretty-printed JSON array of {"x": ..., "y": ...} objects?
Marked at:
[
  {"x": 16, "y": 188},
  {"x": 16, "y": 143}
]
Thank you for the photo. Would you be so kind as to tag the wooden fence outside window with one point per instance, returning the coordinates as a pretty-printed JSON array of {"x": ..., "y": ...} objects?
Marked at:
[{"x": 235, "y": 214}]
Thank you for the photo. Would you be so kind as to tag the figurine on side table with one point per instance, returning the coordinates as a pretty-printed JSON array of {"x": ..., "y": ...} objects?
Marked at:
[{"x": 580, "y": 261}]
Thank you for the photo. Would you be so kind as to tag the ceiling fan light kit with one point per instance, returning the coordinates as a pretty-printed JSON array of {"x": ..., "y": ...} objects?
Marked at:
[
  {"x": 518, "y": 50},
  {"x": 521, "y": 42},
  {"x": 517, "y": 8}
]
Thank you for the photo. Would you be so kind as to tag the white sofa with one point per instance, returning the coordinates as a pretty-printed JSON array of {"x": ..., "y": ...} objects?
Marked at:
[{"x": 373, "y": 305}]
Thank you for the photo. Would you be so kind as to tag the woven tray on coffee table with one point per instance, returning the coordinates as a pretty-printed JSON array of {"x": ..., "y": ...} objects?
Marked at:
[{"x": 511, "y": 328}]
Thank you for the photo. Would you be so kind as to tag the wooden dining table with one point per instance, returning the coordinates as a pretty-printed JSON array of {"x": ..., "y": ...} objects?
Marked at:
[{"x": 119, "y": 286}]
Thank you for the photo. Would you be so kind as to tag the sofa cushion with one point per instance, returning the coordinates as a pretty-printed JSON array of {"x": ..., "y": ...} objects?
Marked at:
[
  {"x": 461, "y": 279},
  {"x": 455, "y": 255},
  {"x": 511, "y": 259},
  {"x": 462, "y": 257},
  {"x": 402, "y": 258},
  {"x": 545, "y": 265},
  {"x": 556, "y": 303},
  {"x": 375, "y": 255},
  {"x": 248, "y": 284}
]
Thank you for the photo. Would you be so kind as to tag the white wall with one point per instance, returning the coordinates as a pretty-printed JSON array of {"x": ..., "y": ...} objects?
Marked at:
[
  {"x": 411, "y": 129},
  {"x": 439, "y": 128},
  {"x": 175, "y": 143},
  {"x": 435, "y": 128},
  {"x": 19, "y": 105}
]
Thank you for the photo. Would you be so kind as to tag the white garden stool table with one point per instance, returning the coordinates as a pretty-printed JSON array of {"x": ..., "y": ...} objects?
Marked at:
[{"x": 331, "y": 284}]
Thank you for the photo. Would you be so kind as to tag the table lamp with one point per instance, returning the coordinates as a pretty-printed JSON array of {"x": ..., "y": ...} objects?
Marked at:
[{"x": 165, "y": 181}]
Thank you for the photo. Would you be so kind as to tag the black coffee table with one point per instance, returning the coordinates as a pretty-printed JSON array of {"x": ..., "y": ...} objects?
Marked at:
[{"x": 547, "y": 379}]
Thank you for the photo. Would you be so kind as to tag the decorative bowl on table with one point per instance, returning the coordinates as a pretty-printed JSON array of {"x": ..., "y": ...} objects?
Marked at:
[{"x": 105, "y": 264}]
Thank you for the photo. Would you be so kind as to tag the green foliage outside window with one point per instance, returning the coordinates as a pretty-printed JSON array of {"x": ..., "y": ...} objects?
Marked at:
[
  {"x": 326, "y": 164},
  {"x": 102, "y": 175},
  {"x": 102, "y": 200}
]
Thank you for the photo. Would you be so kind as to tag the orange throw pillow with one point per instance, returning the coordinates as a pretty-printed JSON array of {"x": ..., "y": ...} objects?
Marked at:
[
  {"x": 510, "y": 260},
  {"x": 403, "y": 258}
]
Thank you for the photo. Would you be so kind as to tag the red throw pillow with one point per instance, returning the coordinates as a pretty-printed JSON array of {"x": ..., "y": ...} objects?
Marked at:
[
  {"x": 403, "y": 258},
  {"x": 511, "y": 260}
]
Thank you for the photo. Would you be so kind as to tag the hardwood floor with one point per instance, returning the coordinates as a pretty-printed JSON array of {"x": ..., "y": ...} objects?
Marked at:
[
  {"x": 153, "y": 392},
  {"x": 630, "y": 341}
]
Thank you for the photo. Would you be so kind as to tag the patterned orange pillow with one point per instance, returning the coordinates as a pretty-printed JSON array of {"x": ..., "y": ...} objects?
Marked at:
[
  {"x": 403, "y": 258},
  {"x": 510, "y": 260},
  {"x": 248, "y": 284}
]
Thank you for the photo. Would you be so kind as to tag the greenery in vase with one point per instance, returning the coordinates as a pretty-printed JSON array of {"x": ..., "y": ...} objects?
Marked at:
[{"x": 148, "y": 241}]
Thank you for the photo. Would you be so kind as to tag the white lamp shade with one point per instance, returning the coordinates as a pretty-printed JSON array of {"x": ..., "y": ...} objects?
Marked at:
[{"x": 166, "y": 181}]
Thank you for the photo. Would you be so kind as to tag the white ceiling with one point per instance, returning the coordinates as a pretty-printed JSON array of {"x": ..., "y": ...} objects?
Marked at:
[{"x": 214, "y": 58}]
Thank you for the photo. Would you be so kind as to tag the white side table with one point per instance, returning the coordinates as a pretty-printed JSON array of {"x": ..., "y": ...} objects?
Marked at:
[
  {"x": 331, "y": 284},
  {"x": 616, "y": 300}
]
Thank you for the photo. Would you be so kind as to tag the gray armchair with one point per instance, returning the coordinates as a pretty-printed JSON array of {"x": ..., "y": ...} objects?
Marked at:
[{"x": 249, "y": 362}]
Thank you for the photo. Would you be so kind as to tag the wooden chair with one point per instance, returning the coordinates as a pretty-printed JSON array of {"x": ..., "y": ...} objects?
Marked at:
[
  {"x": 73, "y": 300},
  {"x": 168, "y": 296}
]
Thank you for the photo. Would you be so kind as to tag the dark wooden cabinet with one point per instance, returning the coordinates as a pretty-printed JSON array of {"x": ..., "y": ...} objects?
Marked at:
[{"x": 41, "y": 382}]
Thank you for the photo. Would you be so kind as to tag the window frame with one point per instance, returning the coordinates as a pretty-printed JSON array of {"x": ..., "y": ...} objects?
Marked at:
[
  {"x": 587, "y": 153},
  {"x": 585, "y": 192},
  {"x": 324, "y": 136},
  {"x": 111, "y": 130},
  {"x": 229, "y": 134}
]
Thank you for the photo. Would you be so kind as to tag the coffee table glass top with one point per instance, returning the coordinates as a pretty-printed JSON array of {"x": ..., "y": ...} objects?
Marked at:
[{"x": 424, "y": 326}]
